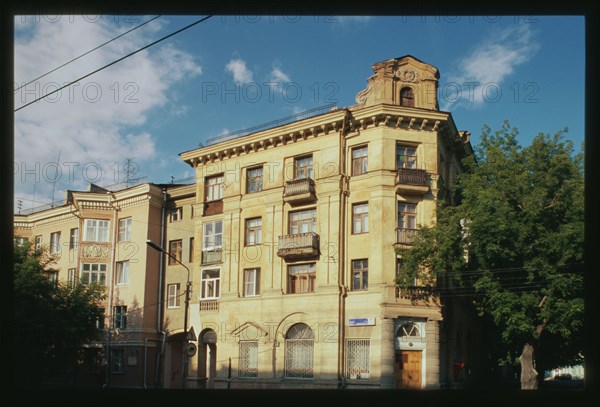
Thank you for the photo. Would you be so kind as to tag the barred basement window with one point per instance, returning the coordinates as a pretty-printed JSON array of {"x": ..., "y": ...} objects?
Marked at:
[
  {"x": 358, "y": 359},
  {"x": 248, "y": 359}
]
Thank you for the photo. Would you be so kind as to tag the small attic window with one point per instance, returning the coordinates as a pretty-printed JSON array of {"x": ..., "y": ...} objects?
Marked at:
[{"x": 407, "y": 97}]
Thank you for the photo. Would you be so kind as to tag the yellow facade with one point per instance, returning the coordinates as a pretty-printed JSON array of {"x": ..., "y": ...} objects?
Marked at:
[
  {"x": 290, "y": 238},
  {"x": 386, "y": 118}
]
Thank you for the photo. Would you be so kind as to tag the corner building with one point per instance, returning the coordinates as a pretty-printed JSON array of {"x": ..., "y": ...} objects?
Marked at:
[{"x": 300, "y": 230}]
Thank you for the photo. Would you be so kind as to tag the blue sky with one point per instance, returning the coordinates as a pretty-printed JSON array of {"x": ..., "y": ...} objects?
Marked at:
[{"x": 230, "y": 73}]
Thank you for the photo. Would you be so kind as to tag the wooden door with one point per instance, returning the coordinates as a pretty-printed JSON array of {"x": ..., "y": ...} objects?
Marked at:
[{"x": 408, "y": 369}]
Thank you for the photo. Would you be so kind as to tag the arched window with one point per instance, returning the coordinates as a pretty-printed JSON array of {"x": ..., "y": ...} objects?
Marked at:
[
  {"x": 299, "y": 347},
  {"x": 408, "y": 331},
  {"x": 407, "y": 97}
]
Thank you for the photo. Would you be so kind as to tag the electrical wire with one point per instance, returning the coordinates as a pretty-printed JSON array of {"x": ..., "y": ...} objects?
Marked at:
[
  {"x": 86, "y": 53},
  {"x": 114, "y": 62}
]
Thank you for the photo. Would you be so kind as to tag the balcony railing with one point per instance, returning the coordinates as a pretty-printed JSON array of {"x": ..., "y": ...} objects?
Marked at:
[
  {"x": 298, "y": 245},
  {"x": 299, "y": 190},
  {"x": 209, "y": 305},
  {"x": 414, "y": 292},
  {"x": 406, "y": 236},
  {"x": 412, "y": 176},
  {"x": 212, "y": 256}
]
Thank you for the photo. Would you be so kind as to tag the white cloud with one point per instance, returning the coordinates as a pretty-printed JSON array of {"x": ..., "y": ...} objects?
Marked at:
[
  {"x": 277, "y": 75},
  {"x": 237, "y": 67},
  {"x": 93, "y": 123},
  {"x": 490, "y": 62}
]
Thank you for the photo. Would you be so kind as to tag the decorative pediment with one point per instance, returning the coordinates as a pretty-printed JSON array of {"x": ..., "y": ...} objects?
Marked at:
[{"x": 240, "y": 329}]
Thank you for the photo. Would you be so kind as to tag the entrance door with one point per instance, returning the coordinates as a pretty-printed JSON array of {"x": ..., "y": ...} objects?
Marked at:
[{"x": 408, "y": 369}]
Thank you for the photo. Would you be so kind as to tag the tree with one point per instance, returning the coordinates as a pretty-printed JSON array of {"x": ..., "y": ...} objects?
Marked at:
[
  {"x": 53, "y": 318},
  {"x": 514, "y": 242}
]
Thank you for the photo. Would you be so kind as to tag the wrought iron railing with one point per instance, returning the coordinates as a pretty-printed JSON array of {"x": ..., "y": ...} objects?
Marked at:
[
  {"x": 272, "y": 124},
  {"x": 411, "y": 176}
]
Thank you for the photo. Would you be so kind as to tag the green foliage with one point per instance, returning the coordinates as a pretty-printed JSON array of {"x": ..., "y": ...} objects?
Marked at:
[
  {"x": 53, "y": 319},
  {"x": 524, "y": 208}
]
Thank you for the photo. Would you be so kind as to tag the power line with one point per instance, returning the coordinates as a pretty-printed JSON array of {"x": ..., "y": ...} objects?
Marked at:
[
  {"x": 116, "y": 61},
  {"x": 84, "y": 54}
]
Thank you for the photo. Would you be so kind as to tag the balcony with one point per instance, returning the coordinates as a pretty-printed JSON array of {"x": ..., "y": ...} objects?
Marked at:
[
  {"x": 414, "y": 293},
  {"x": 299, "y": 191},
  {"x": 298, "y": 246},
  {"x": 212, "y": 256},
  {"x": 411, "y": 181},
  {"x": 405, "y": 236}
]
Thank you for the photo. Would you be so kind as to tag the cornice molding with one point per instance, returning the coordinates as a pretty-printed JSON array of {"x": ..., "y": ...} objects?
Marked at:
[{"x": 301, "y": 130}]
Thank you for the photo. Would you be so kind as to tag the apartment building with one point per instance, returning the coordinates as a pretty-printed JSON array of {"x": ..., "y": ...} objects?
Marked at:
[
  {"x": 99, "y": 236},
  {"x": 294, "y": 273},
  {"x": 288, "y": 242}
]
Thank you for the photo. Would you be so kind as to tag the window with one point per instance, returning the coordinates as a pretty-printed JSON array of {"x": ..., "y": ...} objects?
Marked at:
[
  {"x": 192, "y": 211},
  {"x": 402, "y": 277},
  {"x": 210, "y": 284},
  {"x": 253, "y": 231},
  {"x": 360, "y": 218},
  {"x": 303, "y": 222},
  {"x": 176, "y": 215},
  {"x": 409, "y": 331},
  {"x": 74, "y": 238},
  {"x": 173, "y": 300},
  {"x": 303, "y": 167},
  {"x": 214, "y": 188},
  {"x": 100, "y": 319},
  {"x": 407, "y": 97},
  {"x": 175, "y": 249},
  {"x": 248, "y": 359},
  {"x": 95, "y": 230},
  {"x": 38, "y": 243},
  {"x": 406, "y": 156},
  {"x": 117, "y": 360},
  {"x": 191, "y": 255},
  {"x": 55, "y": 242},
  {"x": 251, "y": 282},
  {"x": 254, "y": 179},
  {"x": 53, "y": 276},
  {"x": 93, "y": 273},
  {"x": 301, "y": 278},
  {"x": 212, "y": 235},
  {"x": 124, "y": 229},
  {"x": 122, "y": 272},
  {"x": 20, "y": 241},
  {"x": 299, "y": 348},
  {"x": 358, "y": 359},
  {"x": 359, "y": 160},
  {"x": 120, "y": 317},
  {"x": 360, "y": 274},
  {"x": 407, "y": 215},
  {"x": 72, "y": 276}
]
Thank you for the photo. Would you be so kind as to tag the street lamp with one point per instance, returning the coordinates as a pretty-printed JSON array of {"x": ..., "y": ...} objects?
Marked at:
[{"x": 188, "y": 286}]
